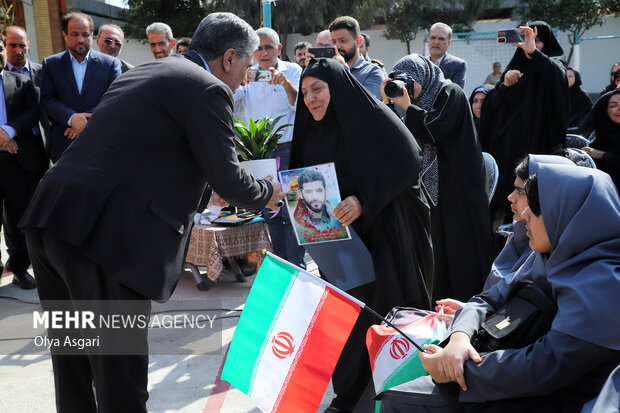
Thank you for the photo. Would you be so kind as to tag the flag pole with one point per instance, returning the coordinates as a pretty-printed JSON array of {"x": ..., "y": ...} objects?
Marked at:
[{"x": 374, "y": 313}]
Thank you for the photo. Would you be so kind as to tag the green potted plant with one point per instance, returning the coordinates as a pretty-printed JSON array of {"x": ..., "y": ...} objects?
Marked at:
[{"x": 255, "y": 142}]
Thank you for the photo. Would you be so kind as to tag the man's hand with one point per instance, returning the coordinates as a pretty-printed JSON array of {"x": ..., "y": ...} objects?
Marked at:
[
  {"x": 529, "y": 44},
  {"x": 403, "y": 101},
  {"x": 337, "y": 57},
  {"x": 511, "y": 77},
  {"x": 275, "y": 200},
  {"x": 348, "y": 210},
  {"x": 11, "y": 147},
  {"x": 279, "y": 78},
  {"x": 4, "y": 138},
  {"x": 71, "y": 133},
  {"x": 594, "y": 153},
  {"x": 78, "y": 122},
  {"x": 448, "y": 364}
]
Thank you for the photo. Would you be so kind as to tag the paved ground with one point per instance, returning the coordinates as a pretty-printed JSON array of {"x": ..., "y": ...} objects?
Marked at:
[{"x": 181, "y": 383}]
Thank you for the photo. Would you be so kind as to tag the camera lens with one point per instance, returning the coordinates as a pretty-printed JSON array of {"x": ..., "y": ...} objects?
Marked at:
[{"x": 394, "y": 88}]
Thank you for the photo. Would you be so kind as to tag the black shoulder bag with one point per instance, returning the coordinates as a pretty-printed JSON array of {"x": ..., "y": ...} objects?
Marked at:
[{"x": 526, "y": 316}]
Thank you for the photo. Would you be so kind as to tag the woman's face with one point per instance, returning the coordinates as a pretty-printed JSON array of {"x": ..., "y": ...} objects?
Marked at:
[
  {"x": 518, "y": 199},
  {"x": 316, "y": 96},
  {"x": 536, "y": 232},
  {"x": 539, "y": 44},
  {"x": 613, "y": 108},
  {"x": 613, "y": 70},
  {"x": 476, "y": 103},
  {"x": 570, "y": 75}
]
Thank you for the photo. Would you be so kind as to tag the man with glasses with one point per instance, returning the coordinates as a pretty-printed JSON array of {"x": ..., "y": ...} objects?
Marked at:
[
  {"x": 110, "y": 41},
  {"x": 69, "y": 98}
]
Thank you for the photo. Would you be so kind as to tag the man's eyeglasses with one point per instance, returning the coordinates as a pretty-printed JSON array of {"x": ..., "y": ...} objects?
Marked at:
[{"x": 110, "y": 42}]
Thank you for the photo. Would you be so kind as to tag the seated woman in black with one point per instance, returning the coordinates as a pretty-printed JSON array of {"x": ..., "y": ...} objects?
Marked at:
[
  {"x": 573, "y": 223},
  {"x": 605, "y": 120},
  {"x": 378, "y": 168}
]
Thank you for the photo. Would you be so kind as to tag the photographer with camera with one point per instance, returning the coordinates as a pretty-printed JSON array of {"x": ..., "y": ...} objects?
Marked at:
[{"x": 453, "y": 173}]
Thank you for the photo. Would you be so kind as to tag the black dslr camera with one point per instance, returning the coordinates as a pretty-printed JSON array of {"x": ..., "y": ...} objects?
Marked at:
[{"x": 394, "y": 88}]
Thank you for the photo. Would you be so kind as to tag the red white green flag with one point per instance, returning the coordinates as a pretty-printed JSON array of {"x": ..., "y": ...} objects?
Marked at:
[
  {"x": 393, "y": 359},
  {"x": 289, "y": 338}
]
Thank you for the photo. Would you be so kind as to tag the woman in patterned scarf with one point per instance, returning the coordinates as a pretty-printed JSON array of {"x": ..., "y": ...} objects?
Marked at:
[{"x": 453, "y": 174}]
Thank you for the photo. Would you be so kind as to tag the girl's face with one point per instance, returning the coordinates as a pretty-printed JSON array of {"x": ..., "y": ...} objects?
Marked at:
[
  {"x": 536, "y": 232},
  {"x": 518, "y": 199},
  {"x": 570, "y": 75},
  {"x": 613, "y": 108},
  {"x": 476, "y": 104}
]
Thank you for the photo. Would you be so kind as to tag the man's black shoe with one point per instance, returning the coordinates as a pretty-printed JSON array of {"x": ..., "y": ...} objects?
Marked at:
[{"x": 24, "y": 280}]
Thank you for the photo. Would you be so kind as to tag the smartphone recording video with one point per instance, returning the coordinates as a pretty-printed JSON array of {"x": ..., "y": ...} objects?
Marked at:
[
  {"x": 509, "y": 36},
  {"x": 327, "y": 52},
  {"x": 261, "y": 75}
]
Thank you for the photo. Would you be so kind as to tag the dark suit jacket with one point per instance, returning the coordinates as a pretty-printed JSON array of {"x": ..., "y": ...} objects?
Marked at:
[
  {"x": 126, "y": 191},
  {"x": 43, "y": 124},
  {"x": 59, "y": 93},
  {"x": 125, "y": 66},
  {"x": 45, "y": 128},
  {"x": 22, "y": 110},
  {"x": 454, "y": 68}
]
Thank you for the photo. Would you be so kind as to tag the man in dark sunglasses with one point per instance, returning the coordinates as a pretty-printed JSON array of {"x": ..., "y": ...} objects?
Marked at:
[{"x": 110, "y": 41}]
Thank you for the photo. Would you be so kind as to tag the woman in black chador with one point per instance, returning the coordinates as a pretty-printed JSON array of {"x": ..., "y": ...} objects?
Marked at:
[
  {"x": 528, "y": 110},
  {"x": 378, "y": 167},
  {"x": 580, "y": 103},
  {"x": 605, "y": 120},
  {"x": 454, "y": 176}
]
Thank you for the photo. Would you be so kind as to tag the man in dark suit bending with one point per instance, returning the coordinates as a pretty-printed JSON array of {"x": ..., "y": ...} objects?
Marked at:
[
  {"x": 74, "y": 81},
  {"x": 111, "y": 219}
]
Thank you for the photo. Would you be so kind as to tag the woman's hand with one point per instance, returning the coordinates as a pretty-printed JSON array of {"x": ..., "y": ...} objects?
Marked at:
[
  {"x": 529, "y": 44},
  {"x": 348, "y": 210},
  {"x": 449, "y": 305},
  {"x": 511, "y": 77},
  {"x": 448, "y": 364},
  {"x": 403, "y": 101},
  {"x": 594, "y": 153}
]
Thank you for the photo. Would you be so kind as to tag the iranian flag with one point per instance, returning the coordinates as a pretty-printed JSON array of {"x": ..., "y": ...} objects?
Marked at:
[
  {"x": 393, "y": 359},
  {"x": 289, "y": 337}
]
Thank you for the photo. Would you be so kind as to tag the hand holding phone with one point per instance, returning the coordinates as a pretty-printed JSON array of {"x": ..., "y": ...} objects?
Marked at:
[
  {"x": 326, "y": 52},
  {"x": 260, "y": 75},
  {"x": 510, "y": 36}
]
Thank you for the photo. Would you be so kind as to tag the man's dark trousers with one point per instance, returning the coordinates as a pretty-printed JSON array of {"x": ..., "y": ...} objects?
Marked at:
[
  {"x": 16, "y": 188},
  {"x": 63, "y": 273}
]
